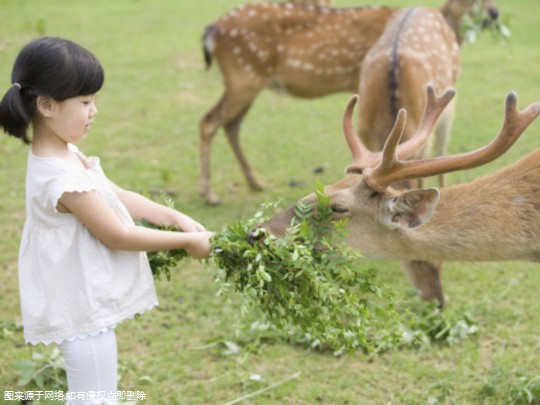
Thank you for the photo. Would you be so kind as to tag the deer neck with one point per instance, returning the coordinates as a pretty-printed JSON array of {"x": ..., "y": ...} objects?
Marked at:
[{"x": 453, "y": 16}]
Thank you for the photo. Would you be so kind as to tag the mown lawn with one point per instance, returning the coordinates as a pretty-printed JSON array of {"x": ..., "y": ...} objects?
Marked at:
[{"x": 146, "y": 134}]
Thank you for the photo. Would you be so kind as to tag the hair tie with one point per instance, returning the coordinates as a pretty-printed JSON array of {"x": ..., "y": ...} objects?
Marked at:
[{"x": 18, "y": 85}]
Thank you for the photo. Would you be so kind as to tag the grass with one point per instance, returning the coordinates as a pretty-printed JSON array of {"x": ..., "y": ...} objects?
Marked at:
[{"x": 147, "y": 136}]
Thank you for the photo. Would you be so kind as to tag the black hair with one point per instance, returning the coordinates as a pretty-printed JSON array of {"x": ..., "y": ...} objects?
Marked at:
[{"x": 49, "y": 67}]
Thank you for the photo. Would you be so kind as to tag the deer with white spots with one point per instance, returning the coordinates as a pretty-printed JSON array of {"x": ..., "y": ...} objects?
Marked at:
[
  {"x": 305, "y": 51},
  {"x": 418, "y": 46},
  {"x": 493, "y": 218}
]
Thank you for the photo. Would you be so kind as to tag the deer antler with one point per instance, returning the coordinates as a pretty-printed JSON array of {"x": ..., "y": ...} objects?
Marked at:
[
  {"x": 364, "y": 158},
  {"x": 435, "y": 105},
  {"x": 391, "y": 169}
]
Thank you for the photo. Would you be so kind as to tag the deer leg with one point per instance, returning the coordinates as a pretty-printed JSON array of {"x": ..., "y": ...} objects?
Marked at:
[
  {"x": 209, "y": 124},
  {"x": 228, "y": 113},
  {"x": 232, "y": 129},
  {"x": 426, "y": 279}
]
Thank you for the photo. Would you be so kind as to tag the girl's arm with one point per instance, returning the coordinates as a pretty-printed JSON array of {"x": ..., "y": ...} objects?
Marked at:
[
  {"x": 141, "y": 207},
  {"x": 90, "y": 208}
]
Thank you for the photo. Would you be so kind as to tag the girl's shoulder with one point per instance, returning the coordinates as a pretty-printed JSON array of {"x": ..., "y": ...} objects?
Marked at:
[{"x": 54, "y": 165}]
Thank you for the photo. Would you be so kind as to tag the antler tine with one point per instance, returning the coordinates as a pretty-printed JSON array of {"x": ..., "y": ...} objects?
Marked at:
[
  {"x": 389, "y": 153},
  {"x": 435, "y": 105},
  {"x": 514, "y": 124},
  {"x": 362, "y": 156}
]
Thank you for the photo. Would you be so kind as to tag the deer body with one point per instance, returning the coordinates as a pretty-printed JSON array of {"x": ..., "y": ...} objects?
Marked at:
[
  {"x": 417, "y": 47},
  {"x": 305, "y": 51}
]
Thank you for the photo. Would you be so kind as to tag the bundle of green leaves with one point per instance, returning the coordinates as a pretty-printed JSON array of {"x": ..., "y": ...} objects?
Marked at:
[
  {"x": 162, "y": 262},
  {"x": 308, "y": 280}
]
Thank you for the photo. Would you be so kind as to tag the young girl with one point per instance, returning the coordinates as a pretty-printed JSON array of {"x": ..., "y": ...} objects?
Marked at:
[{"x": 82, "y": 266}]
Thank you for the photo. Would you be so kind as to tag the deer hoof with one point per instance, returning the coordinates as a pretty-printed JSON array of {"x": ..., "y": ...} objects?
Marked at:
[
  {"x": 256, "y": 187},
  {"x": 211, "y": 199}
]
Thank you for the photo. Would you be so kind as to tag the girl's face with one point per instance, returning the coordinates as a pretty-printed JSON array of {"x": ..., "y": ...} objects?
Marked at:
[{"x": 70, "y": 120}]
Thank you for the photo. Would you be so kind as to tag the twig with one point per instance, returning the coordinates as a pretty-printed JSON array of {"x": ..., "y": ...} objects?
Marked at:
[{"x": 270, "y": 387}]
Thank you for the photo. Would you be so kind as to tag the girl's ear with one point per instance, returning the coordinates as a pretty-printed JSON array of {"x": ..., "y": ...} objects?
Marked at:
[{"x": 45, "y": 105}]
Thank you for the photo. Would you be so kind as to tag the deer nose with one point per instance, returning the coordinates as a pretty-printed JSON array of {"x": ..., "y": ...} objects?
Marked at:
[
  {"x": 493, "y": 13},
  {"x": 254, "y": 236}
]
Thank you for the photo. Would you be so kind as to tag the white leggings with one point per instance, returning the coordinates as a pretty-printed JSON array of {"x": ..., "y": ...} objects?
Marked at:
[{"x": 91, "y": 367}]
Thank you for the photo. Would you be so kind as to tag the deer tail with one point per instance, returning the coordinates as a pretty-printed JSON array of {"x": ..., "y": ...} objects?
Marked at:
[{"x": 209, "y": 43}]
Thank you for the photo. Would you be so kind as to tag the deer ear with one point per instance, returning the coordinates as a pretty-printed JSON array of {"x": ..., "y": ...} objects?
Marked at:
[{"x": 410, "y": 209}]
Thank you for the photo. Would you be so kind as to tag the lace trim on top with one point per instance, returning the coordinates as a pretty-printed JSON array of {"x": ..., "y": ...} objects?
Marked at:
[{"x": 95, "y": 333}]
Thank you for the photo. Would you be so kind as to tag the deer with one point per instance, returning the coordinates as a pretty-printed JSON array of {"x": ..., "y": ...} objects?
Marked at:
[
  {"x": 306, "y": 51},
  {"x": 492, "y": 218}
]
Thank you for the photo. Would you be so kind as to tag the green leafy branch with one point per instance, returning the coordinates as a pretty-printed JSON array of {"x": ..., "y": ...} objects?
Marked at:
[
  {"x": 162, "y": 262},
  {"x": 43, "y": 370},
  {"x": 307, "y": 281},
  {"x": 474, "y": 23}
]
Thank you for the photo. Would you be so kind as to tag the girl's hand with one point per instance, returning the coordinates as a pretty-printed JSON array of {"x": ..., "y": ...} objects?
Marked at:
[{"x": 199, "y": 246}]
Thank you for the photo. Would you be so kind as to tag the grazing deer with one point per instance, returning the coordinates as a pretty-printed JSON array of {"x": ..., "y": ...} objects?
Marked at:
[
  {"x": 306, "y": 51},
  {"x": 496, "y": 217},
  {"x": 303, "y": 50}
]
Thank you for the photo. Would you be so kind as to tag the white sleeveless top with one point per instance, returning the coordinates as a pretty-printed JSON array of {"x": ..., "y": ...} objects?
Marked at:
[{"x": 71, "y": 284}]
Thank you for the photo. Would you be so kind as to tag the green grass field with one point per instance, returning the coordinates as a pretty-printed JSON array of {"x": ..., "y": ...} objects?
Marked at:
[{"x": 146, "y": 134}]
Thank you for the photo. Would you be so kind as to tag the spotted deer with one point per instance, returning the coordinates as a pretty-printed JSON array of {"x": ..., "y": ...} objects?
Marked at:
[
  {"x": 306, "y": 51},
  {"x": 418, "y": 46},
  {"x": 492, "y": 218}
]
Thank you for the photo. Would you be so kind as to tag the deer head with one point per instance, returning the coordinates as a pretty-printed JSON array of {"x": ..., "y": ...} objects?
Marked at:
[
  {"x": 454, "y": 10},
  {"x": 419, "y": 224}
]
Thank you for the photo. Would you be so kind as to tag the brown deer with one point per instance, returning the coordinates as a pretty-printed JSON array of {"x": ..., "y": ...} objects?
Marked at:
[
  {"x": 418, "y": 46},
  {"x": 493, "y": 218},
  {"x": 306, "y": 51}
]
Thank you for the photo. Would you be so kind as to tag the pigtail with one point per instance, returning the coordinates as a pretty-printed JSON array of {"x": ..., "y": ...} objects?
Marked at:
[{"x": 16, "y": 109}]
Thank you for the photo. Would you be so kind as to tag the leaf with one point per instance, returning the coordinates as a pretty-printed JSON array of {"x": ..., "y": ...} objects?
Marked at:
[
  {"x": 26, "y": 377},
  {"x": 23, "y": 365}
]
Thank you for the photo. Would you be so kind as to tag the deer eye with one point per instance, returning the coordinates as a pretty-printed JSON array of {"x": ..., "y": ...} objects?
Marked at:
[{"x": 339, "y": 209}]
